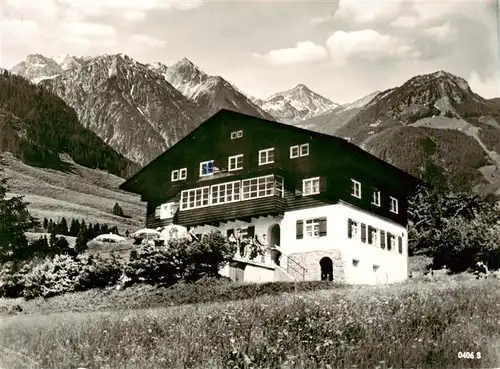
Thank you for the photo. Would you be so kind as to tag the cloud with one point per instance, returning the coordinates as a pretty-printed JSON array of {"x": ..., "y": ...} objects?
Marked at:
[
  {"x": 441, "y": 33},
  {"x": 488, "y": 88},
  {"x": 367, "y": 11},
  {"x": 87, "y": 35},
  {"x": 131, "y": 10},
  {"x": 427, "y": 11},
  {"x": 368, "y": 45},
  {"x": 20, "y": 31},
  {"x": 322, "y": 20},
  {"x": 148, "y": 41},
  {"x": 45, "y": 9},
  {"x": 304, "y": 52},
  {"x": 408, "y": 21}
]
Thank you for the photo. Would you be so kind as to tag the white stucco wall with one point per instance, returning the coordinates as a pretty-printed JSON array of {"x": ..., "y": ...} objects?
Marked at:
[{"x": 392, "y": 265}]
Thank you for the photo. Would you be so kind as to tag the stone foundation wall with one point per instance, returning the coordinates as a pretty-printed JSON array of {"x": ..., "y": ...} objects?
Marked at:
[{"x": 310, "y": 261}]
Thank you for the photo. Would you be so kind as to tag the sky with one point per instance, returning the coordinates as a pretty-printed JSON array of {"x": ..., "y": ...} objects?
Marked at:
[{"x": 342, "y": 49}]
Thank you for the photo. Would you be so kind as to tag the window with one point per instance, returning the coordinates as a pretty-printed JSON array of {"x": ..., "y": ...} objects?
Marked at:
[
  {"x": 266, "y": 156},
  {"x": 183, "y": 173},
  {"x": 257, "y": 187},
  {"x": 236, "y": 134},
  {"x": 372, "y": 235},
  {"x": 394, "y": 205},
  {"x": 167, "y": 210},
  {"x": 355, "y": 262},
  {"x": 304, "y": 149},
  {"x": 310, "y": 186},
  {"x": 376, "y": 198},
  {"x": 352, "y": 229},
  {"x": 235, "y": 162},
  {"x": 195, "y": 198},
  {"x": 311, "y": 228},
  {"x": 299, "y": 150},
  {"x": 356, "y": 189},
  {"x": 391, "y": 241},
  {"x": 225, "y": 192},
  {"x": 175, "y": 175},
  {"x": 280, "y": 187},
  {"x": 206, "y": 168}
]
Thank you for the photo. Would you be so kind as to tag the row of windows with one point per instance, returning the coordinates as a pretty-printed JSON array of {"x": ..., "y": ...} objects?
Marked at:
[
  {"x": 235, "y": 162},
  {"x": 373, "y": 236},
  {"x": 356, "y": 192},
  {"x": 232, "y": 191}
]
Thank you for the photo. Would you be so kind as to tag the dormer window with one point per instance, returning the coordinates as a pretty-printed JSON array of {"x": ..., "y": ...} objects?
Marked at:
[
  {"x": 394, "y": 205},
  {"x": 266, "y": 156},
  {"x": 175, "y": 175},
  {"x": 236, "y": 134},
  {"x": 376, "y": 198},
  {"x": 235, "y": 162},
  {"x": 356, "y": 188},
  {"x": 206, "y": 168}
]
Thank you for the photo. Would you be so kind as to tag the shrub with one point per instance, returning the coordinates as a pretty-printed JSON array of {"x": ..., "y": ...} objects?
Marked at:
[
  {"x": 117, "y": 210},
  {"x": 64, "y": 274},
  {"x": 12, "y": 277},
  {"x": 180, "y": 259}
]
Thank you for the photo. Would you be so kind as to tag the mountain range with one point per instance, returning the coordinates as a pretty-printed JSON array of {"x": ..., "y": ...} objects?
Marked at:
[{"x": 139, "y": 110}]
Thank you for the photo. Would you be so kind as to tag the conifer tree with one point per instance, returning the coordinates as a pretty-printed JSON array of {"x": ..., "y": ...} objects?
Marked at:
[{"x": 63, "y": 227}]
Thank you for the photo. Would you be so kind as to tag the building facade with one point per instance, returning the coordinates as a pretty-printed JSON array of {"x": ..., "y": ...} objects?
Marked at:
[{"x": 322, "y": 207}]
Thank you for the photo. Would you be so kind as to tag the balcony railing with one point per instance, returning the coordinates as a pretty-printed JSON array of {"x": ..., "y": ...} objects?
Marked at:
[{"x": 244, "y": 251}]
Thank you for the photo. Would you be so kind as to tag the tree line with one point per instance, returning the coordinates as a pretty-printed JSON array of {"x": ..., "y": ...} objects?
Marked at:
[{"x": 52, "y": 127}]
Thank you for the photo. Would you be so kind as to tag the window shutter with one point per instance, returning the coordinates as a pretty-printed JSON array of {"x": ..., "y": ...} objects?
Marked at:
[
  {"x": 389, "y": 244},
  {"x": 229, "y": 232},
  {"x": 349, "y": 228},
  {"x": 323, "y": 184},
  {"x": 276, "y": 154},
  {"x": 300, "y": 229},
  {"x": 251, "y": 231},
  {"x": 322, "y": 227},
  {"x": 298, "y": 188},
  {"x": 370, "y": 235},
  {"x": 363, "y": 232},
  {"x": 400, "y": 244},
  {"x": 382, "y": 239}
]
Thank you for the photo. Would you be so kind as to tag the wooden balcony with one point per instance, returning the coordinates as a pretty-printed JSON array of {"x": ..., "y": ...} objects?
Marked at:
[{"x": 240, "y": 210}]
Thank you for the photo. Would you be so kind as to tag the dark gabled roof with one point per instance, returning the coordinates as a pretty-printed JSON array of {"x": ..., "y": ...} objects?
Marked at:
[{"x": 234, "y": 114}]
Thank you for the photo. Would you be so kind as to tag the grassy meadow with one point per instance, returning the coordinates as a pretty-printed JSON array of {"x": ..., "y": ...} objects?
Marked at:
[
  {"x": 82, "y": 193},
  {"x": 417, "y": 324}
]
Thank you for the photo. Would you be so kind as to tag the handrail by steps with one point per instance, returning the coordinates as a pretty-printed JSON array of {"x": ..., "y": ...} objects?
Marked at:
[{"x": 295, "y": 266}]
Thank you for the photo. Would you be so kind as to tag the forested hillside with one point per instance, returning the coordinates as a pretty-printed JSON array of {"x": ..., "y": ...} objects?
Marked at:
[{"x": 37, "y": 126}]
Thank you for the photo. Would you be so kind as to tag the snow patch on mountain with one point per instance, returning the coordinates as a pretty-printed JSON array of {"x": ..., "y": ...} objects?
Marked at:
[{"x": 296, "y": 104}]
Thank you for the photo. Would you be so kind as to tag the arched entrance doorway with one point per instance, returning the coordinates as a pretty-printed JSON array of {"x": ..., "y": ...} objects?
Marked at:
[
  {"x": 326, "y": 266},
  {"x": 274, "y": 235}
]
